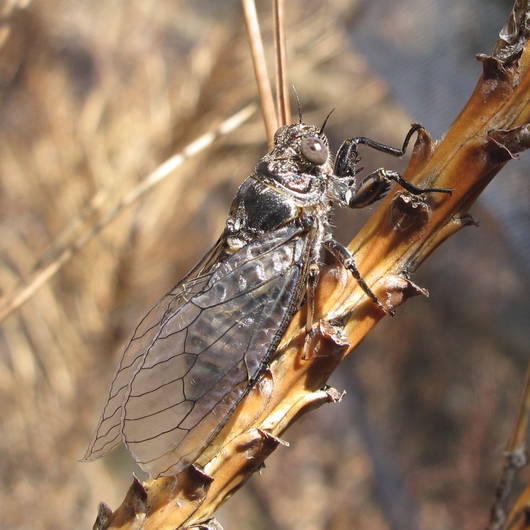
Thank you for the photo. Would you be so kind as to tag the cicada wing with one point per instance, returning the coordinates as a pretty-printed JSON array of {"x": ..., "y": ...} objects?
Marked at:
[
  {"x": 108, "y": 433},
  {"x": 206, "y": 354},
  {"x": 207, "y": 350}
]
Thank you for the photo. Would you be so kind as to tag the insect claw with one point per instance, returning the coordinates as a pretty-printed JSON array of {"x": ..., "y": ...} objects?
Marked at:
[{"x": 449, "y": 191}]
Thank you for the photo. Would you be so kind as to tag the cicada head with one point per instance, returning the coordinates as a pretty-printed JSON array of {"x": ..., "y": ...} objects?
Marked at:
[
  {"x": 303, "y": 145},
  {"x": 300, "y": 153}
]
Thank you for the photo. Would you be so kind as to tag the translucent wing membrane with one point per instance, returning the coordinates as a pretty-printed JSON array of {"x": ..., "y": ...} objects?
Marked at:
[{"x": 194, "y": 355}]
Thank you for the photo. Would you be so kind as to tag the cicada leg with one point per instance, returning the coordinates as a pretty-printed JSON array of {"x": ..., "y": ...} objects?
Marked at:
[
  {"x": 312, "y": 281},
  {"x": 344, "y": 256}
]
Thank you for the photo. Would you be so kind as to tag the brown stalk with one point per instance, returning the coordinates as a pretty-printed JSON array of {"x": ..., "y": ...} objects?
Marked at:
[
  {"x": 44, "y": 272},
  {"x": 399, "y": 236},
  {"x": 519, "y": 517},
  {"x": 260, "y": 70},
  {"x": 515, "y": 457},
  {"x": 282, "y": 92}
]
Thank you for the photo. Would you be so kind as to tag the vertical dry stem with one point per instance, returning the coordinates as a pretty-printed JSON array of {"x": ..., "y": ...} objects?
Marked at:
[
  {"x": 284, "y": 111},
  {"x": 260, "y": 70},
  {"x": 516, "y": 457}
]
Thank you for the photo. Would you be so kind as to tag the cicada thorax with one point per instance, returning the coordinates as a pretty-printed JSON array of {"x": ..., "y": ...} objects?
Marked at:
[{"x": 286, "y": 185}]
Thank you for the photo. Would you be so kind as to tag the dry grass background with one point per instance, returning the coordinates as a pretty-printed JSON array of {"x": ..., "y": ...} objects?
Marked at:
[{"x": 93, "y": 96}]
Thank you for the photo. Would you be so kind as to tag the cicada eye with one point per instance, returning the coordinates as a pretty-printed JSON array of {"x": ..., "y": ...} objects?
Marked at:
[{"x": 314, "y": 150}]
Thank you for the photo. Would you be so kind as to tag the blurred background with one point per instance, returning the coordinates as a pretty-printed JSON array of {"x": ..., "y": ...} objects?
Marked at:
[{"x": 95, "y": 95}]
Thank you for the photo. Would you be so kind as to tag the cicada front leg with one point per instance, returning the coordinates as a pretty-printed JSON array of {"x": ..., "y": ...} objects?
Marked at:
[{"x": 375, "y": 185}]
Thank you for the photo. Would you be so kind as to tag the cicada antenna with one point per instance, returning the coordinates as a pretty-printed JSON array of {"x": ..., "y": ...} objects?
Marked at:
[
  {"x": 323, "y": 126},
  {"x": 300, "y": 120},
  {"x": 259, "y": 63},
  {"x": 282, "y": 94}
]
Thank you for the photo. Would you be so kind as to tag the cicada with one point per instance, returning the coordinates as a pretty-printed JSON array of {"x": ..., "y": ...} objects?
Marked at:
[{"x": 197, "y": 353}]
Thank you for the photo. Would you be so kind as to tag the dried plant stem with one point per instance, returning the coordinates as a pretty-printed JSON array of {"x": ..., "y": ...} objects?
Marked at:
[
  {"x": 282, "y": 92},
  {"x": 260, "y": 70},
  {"x": 398, "y": 237},
  {"x": 43, "y": 273},
  {"x": 519, "y": 517},
  {"x": 515, "y": 458},
  {"x": 517, "y": 442}
]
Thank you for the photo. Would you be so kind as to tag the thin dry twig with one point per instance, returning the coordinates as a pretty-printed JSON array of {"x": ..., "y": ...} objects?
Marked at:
[
  {"x": 515, "y": 458},
  {"x": 42, "y": 274},
  {"x": 282, "y": 92},
  {"x": 519, "y": 518},
  {"x": 517, "y": 442},
  {"x": 260, "y": 70},
  {"x": 399, "y": 236}
]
